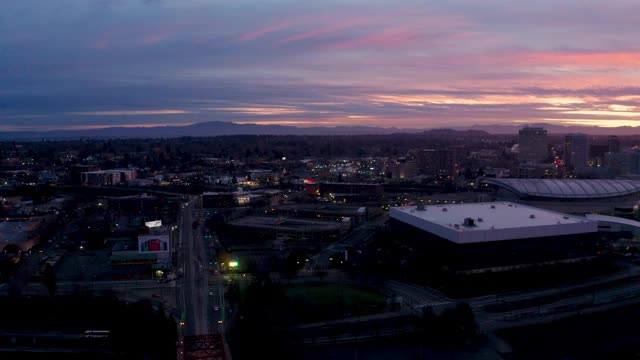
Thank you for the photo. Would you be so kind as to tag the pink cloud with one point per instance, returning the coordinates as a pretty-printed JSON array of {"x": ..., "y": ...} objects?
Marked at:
[
  {"x": 267, "y": 30},
  {"x": 102, "y": 42},
  {"x": 99, "y": 44},
  {"x": 584, "y": 59},
  {"x": 319, "y": 33},
  {"x": 379, "y": 31},
  {"x": 329, "y": 23},
  {"x": 137, "y": 35},
  {"x": 385, "y": 38},
  {"x": 155, "y": 38}
]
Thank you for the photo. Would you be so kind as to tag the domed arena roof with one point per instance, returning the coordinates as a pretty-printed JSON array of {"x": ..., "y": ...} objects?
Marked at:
[{"x": 567, "y": 188}]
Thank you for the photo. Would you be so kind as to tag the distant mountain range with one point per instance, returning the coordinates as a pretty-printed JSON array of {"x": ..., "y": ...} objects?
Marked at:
[{"x": 218, "y": 128}]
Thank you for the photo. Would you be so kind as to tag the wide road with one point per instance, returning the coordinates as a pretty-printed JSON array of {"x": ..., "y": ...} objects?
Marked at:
[
  {"x": 217, "y": 308},
  {"x": 322, "y": 261},
  {"x": 192, "y": 294}
]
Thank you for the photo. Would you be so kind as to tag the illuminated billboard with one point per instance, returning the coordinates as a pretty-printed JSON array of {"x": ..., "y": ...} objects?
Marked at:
[
  {"x": 153, "y": 224},
  {"x": 154, "y": 243}
]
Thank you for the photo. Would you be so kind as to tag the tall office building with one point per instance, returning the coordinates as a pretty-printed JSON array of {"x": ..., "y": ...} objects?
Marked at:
[
  {"x": 576, "y": 150},
  {"x": 614, "y": 144},
  {"x": 614, "y": 158},
  {"x": 533, "y": 144},
  {"x": 437, "y": 162}
]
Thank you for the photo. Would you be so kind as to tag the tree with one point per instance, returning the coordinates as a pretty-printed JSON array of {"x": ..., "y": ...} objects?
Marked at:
[
  {"x": 264, "y": 313},
  {"x": 294, "y": 262},
  {"x": 49, "y": 279},
  {"x": 457, "y": 326},
  {"x": 468, "y": 174}
]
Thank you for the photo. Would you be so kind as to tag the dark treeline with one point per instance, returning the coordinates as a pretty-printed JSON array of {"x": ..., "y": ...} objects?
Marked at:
[
  {"x": 138, "y": 331},
  {"x": 243, "y": 146},
  {"x": 177, "y": 153}
]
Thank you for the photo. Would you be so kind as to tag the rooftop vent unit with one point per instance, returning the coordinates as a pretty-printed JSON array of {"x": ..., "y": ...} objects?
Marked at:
[
  {"x": 480, "y": 220},
  {"x": 469, "y": 222},
  {"x": 493, "y": 206},
  {"x": 510, "y": 205},
  {"x": 565, "y": 217},
  {"x": 532, "y": 216},
  {"x": 444, "y": 209},
  {"x": 457, "y": 226},
  {"x": 420, "y": 207}
]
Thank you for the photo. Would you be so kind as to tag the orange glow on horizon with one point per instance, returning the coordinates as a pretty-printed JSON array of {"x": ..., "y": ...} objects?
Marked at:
[
  {"x": 437, "y": 99},
  {"x": 259, "y": 110},
  {"x": 596, "y": 122}
]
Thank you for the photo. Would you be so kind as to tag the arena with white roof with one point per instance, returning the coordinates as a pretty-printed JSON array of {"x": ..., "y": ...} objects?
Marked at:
[
  {"x": 493, "y": 221},
  {"x": 493, "y": 235}
]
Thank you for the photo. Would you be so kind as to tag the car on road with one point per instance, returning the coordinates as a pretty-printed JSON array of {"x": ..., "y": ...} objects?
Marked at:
[
  {"x": 210, "y": 293},
  {"x": 215, "y": 308}
]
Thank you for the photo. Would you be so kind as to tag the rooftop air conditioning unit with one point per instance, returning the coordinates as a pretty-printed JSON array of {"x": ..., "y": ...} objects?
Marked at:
[{"x": 469, "y": 222}]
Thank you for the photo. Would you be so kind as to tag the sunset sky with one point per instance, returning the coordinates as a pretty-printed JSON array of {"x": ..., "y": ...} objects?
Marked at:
[{"x": 67, "y": 64}]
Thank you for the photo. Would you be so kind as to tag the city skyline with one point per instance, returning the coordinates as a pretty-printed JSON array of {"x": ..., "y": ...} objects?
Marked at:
[{"x": 406, "y": 64}]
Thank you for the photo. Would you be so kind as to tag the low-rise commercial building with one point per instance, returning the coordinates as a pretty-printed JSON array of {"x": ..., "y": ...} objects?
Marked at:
[{"x": 107, "y": 177}]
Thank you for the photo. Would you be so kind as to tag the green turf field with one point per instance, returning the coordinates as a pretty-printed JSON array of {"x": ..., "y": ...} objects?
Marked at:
[{"x": 353, "y": 300}]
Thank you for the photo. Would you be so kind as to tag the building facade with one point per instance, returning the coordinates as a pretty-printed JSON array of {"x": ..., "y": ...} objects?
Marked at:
[
  {"x": 576, "y": 150},
  {"x": 533, "y": 144}
]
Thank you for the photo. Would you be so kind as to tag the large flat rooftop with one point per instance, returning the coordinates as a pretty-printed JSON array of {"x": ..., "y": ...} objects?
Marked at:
[{"x": 492, "y": 221}]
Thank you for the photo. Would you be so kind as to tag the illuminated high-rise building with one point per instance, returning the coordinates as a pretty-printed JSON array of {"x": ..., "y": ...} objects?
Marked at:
[
  {"x": 576, "y": 150},
  {"x": 614, "y": 144},
  {"x": 533, "y": 144}
]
